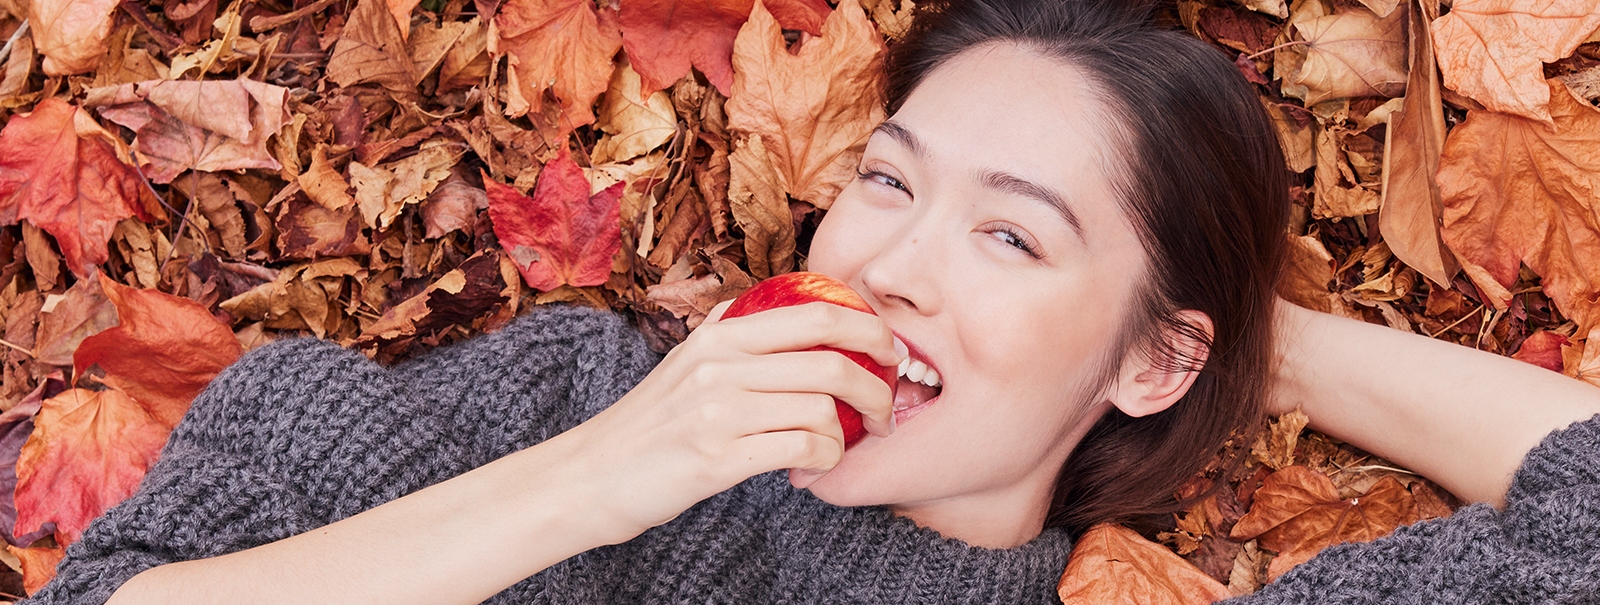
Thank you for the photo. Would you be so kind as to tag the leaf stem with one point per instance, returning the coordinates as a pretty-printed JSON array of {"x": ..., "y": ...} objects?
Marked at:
[
  {"x": 18, "y": 348},
  {"x": 1280, "y": 46}
]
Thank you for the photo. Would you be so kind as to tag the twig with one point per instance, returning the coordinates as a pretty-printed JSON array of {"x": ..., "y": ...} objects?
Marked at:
[
  {"x": 1457, "y": 322},
  {"x": 194, "y": 184},
  {"x": 181, "y": 217},
  {"x": 17, "y": 347},
  {"x": 6, "y": 50}
]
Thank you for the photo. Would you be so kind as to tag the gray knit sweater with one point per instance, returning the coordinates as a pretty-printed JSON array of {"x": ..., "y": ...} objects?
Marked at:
[{"x": 302, "y": 433}]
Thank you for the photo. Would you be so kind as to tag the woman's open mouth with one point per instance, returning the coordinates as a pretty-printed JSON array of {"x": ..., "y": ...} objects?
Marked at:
[{"x": 918, "y": 388}]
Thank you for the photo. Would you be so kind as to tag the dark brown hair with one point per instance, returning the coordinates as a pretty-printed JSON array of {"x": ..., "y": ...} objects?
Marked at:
[{"x": 1199, "y": 173}]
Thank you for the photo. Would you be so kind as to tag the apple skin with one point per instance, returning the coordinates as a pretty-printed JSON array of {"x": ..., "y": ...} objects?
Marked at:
[{"x": 803, "y": 287}]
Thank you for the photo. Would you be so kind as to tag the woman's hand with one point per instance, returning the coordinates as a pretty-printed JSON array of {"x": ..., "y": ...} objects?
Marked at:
[{"x": 738, "y": 398}]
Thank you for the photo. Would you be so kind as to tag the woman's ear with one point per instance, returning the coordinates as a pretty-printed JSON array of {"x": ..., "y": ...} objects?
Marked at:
[{"x": 1154, "y": 380}]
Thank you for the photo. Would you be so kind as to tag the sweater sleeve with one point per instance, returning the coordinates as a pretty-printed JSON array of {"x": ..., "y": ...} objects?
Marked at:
[
  {"x": 1543, "y": 548},
  {"x": 303, "y": 433}
]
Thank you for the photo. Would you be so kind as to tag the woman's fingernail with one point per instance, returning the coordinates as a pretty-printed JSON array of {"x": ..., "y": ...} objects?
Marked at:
[{"x": 900, "y": 348}]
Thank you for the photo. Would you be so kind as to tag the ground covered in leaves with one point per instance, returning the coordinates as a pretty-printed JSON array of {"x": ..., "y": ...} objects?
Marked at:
[{"x": 181, "y": 181}]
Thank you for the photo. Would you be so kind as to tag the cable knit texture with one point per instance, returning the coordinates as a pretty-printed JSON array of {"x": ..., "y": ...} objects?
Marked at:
[{"x": 302, "y": 433}]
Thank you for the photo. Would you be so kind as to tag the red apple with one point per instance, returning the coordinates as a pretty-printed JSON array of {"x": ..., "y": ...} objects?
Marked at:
[{"x": 804, "y": 287}]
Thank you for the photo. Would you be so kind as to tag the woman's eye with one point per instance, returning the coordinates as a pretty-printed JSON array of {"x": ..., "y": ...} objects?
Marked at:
[
  {"x": 1016, "y": 240},
  {"x": 882, "y": 179}
]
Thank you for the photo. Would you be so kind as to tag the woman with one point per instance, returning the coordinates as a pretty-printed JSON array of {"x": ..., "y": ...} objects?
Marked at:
[{"x": 1071, "y": 220}]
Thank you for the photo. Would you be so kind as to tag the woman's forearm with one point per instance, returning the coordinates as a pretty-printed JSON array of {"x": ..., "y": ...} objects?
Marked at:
[
  {"x": 460, "y": 541},
  {"x": 1461, "y": 417}
]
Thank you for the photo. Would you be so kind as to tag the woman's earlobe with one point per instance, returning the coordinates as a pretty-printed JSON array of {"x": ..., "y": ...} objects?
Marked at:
[{"x": 1152, "y": 383}]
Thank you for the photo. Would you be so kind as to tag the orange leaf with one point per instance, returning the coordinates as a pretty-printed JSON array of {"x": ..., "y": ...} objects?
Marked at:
[
  {"x": 1494, "y": 50},
  {"x": 1112, "y": 564},
  {"x": 1410, "y": 214},
  {"x": 71, "y": 34},
  {"x": 564, "y": 46},
  {"x": 664, "y": 37},
  {"x": 38, "y": 565},
  {"x": 814, "y": 108},
  {"x": 87, "y": 452},
  {"x": 1298, "y": 512},
  {"x": 206, "y": 126},
  {"x": 1520, "y": 191},
  {"x": 57, "y": 172},
  {"x": 164, "y": 352},
  {"x": 561, "y": 235}
]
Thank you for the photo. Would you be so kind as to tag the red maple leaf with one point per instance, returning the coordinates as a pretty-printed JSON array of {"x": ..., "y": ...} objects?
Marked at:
[
  {"x": 663, "y": 37},
  {"x": 88, "y": 451},
  {"x": 163, "y": 352},
  {"x": 561, "y": 235},
  {"x": 55, "y": 172}
]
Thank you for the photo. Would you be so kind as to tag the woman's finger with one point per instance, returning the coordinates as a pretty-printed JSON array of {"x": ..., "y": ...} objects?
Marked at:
[
  {"x": 829, "y": 373},
  {"x": 765, "y": 452},
  {"x": 805, "y": 326}
]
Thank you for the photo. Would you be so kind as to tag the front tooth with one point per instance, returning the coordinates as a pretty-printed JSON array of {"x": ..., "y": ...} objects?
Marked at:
[
  {"x": 931, "y": 378},
  {"x": 904, "y": 364},
  {"x": 916, "y": 371}
]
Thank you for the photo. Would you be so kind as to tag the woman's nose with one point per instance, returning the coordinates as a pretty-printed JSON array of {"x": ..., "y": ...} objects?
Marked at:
[{"x": 905, "y": 275}]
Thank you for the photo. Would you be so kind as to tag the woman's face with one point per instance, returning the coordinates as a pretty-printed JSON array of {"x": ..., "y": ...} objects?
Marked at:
[{"x": 984, "y": 233}]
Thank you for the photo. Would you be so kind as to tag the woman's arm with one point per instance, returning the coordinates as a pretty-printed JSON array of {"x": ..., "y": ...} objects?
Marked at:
[
  {"x": 1461, "y": 417},
  {"x": 730, "y": 403}
]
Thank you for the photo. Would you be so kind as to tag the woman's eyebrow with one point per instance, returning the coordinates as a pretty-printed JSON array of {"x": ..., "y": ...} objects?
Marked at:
[
  {"x": 1006, "y": 182},
  {"x": 904, "y": 136}
]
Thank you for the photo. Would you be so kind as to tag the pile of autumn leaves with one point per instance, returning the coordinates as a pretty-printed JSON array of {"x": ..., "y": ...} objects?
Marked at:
[{"x": 190, "y": 180}]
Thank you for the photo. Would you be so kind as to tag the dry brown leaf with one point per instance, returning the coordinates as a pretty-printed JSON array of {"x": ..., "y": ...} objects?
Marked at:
[
  {"x": 71, "y": 34},
  {"x": 1493, "y": 50},
  {"x": 812, "y": 108},
  {"x": 323, "y": 184},
  {"x": 1522, "y": 191},
  {"x": 372, "y": 48},
  {"x": 1339, "y": 192},
  {"x": 635, "y": 125},
  {"x": 1274, "y": 448},
  {"x": 66, "y": 319},
  {"x": 206, "y": 126},
  {"x": 1307, "y": 272},
  {"x": 759, "y": 206},
  {"x": 1352, "y": 53},
  {"x": 1276, "y": 8},
  {"x": 1411, "y": 212},
  {"x": 1113, "y": 565},
  {"x": 453, "y": 206}
]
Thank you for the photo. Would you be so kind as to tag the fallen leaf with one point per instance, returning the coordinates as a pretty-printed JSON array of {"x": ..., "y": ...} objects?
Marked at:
[
  {"x": 88, "y": 451},
  {"x": 636, "y": 125},
  {"x": 466, "y": 293},
  {"x": 58, "y": 172},
  {"x": 67, "y": 319},
  {"x": 372, "y": 48},
  {"x": 1276, "y": 8},
  {"x": 71, "y": 34},
  {"x": 664, "y": 37},
  {"x": 324, "y": 185},
  {"x": 1353, "y": 53},
  {"x": 1112, "y": 564},
  {"x": 562, "y": 235},
  {"x": 814, "y": 108},
  {"x": 38, "y": 565},
  {"x": 1339, "y": 191},
  {"x": 383, "y": 192},
  {"x": 692, "y": 298},
  {"x": 1297, "y": 512},
  {"x": 163, "y": 352},
  {"x": 1494, "y": 50},
  {"x": 758, "y": 204},
  {"x": 206, "y": 126},
  {"x": 564, "y": 46},
  {"x": 1522, "y": 191},
  {"x": 1274, "y": 448},
  {"x": 307, "y": 230},
  {"x": 1543, "y": 349},
  {"x": 1411, "y": 212},
  {"x": 453, "y": 206},
  {"x": 401, "y": 10},
  {"x": 15, "y": 426}
]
